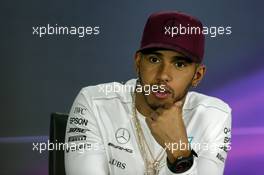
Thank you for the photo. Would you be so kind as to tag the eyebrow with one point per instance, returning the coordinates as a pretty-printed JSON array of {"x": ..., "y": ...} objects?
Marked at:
[
  {"x": 183, "y": 58},
  {"x": 175, "y": 58}
]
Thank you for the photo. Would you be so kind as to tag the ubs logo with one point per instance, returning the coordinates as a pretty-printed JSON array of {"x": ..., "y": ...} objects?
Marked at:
[{"x": 122, "y": 135}]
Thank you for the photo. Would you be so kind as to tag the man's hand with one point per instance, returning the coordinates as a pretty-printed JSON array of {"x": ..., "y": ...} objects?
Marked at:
[{"x": 167, "y": 127}]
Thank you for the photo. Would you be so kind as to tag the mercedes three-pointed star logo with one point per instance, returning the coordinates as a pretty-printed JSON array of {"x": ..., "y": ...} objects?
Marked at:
[{"x": 122, "y": 135}]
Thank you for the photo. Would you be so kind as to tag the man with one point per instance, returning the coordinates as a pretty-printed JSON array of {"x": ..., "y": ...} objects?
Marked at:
[{"x": 155, "y": 126}]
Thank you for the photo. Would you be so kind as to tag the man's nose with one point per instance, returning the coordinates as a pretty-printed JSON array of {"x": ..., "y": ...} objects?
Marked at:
[{"x": 164, "y": 73}]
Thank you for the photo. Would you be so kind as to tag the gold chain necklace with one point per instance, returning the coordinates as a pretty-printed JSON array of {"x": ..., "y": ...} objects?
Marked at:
[{"x": 152, "y": 165}]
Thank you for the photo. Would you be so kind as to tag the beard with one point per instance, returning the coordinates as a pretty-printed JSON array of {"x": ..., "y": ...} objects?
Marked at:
[{"x": 154, "y": 104}]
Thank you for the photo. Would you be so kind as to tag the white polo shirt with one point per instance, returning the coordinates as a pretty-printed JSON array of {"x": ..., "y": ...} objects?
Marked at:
[{"x": 102, "y": 138}]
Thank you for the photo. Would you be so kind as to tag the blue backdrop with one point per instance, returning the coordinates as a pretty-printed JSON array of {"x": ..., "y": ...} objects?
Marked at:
[{"x": 43, "y": 75}]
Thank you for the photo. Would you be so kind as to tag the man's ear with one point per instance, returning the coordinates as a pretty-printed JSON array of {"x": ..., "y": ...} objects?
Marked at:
[
  {"x": 137, "y": 58},
  {"x": 199, "y": 74}
]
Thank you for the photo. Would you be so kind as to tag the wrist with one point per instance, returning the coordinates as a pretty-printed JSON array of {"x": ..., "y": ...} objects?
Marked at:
[
  {"x": 182, "y": 164},
  {"x": 173, "y": 155},
  {"x": 178, "y": 149}
]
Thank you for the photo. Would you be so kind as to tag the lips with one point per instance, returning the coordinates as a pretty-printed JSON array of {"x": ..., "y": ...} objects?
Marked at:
[{"x": 161, "y": 94}]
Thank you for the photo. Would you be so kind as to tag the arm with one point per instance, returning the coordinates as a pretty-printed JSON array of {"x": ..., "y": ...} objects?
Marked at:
[
  {"x": 85, "y": 153},
  {"x": 218, "y": 135},
  {"x": 212, "y": 161}
]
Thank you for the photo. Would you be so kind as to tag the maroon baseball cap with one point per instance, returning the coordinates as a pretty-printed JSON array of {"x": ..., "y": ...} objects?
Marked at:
[{"x": 174, "y": 31}]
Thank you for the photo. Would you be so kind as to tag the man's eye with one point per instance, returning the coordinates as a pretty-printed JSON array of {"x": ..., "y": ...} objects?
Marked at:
[
  {"x": 180, "y": 64},
  {"x": 154, "y": 59}
]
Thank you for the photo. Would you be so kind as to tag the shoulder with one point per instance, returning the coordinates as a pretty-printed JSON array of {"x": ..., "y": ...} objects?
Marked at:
[
  {"x": 209, "y": 112},
  {"x": 197, "y": 100}
]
